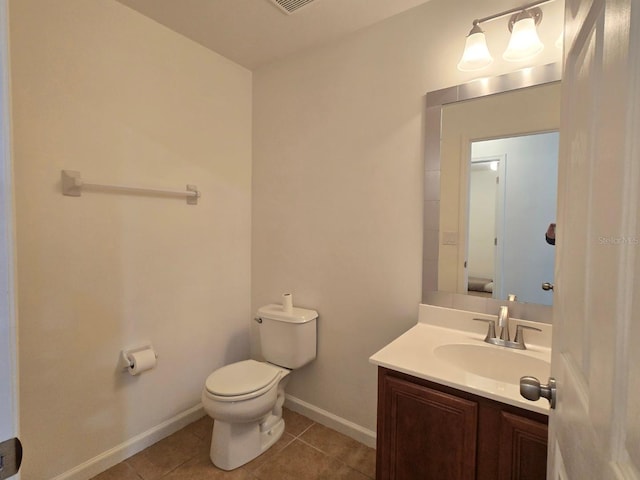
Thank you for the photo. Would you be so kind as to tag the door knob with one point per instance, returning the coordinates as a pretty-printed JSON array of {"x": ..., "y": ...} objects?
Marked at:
[
  {"x": 10, "y": 458},
  {"x": 547, "y": 286},
  {"x": 531, "y": 389}
]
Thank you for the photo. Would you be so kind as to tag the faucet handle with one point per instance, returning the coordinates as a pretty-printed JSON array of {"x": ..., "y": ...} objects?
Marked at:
[
  {"x": 520, "y": 337},
  {"x": 491, "y": 333}
]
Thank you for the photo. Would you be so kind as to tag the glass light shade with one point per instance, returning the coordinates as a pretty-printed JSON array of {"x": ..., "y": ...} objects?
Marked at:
[
  {"x": 476, "y": 55},
  {"x": 524, "y": 42}
]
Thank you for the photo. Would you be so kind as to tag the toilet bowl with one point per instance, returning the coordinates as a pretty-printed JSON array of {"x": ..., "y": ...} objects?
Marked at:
[{"x": 245, "y": 398}]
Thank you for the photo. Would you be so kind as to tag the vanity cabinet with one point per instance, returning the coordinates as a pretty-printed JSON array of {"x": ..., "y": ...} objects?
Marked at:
[{"x": 430, "y": 431}]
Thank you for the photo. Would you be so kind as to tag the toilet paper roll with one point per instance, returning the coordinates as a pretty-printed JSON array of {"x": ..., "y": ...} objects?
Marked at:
[
  {"x": 287, "y": 303},
  {"x": 141, "y": 361}
]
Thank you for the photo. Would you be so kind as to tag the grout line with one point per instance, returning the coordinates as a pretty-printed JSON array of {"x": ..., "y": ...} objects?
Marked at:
[
  {"x": 318, "y": 449},
  {"x": 306, "y": 429},
  {"x": 288, "y": 443},
  {"x": 332, "y": 456},
  {"x": 276, "y": 454},
  {"x": 326, "y": 454}
]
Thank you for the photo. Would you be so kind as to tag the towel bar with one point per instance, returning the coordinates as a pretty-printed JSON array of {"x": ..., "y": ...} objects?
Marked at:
[{"x": 72, "y": 185}]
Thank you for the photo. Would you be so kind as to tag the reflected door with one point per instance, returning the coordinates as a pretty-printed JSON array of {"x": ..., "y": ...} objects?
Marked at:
[{"x": 518, "y": 207}]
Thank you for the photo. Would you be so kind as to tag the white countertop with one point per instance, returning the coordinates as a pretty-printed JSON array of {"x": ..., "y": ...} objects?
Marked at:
[{"x": 413, "y": 353}]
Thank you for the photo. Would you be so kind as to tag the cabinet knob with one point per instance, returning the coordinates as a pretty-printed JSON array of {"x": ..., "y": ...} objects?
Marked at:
[
  {"x": 547, "y": 286},
  {"x": 531, "y": 389}
]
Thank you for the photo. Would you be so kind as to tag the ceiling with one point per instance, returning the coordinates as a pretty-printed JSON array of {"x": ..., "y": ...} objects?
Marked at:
[{"x": 256, "y": 32}]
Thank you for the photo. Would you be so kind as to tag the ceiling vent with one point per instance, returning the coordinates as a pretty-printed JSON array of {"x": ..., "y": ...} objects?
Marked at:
[{"x": 290, "y": 6}]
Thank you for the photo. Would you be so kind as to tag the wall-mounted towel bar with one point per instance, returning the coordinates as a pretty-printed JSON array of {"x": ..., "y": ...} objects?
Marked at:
[{"x": 72, "y": 185}]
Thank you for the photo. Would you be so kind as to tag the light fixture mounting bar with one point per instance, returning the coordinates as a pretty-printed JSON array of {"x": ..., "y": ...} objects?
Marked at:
[{"x": 478, "y": 21}]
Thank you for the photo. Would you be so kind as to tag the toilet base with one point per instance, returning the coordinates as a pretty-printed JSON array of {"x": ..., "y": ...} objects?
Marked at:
[{"x": 234, "y": 444}]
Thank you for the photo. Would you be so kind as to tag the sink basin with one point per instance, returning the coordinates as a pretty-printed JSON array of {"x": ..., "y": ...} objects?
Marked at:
[{"x": 496, "y": 363}]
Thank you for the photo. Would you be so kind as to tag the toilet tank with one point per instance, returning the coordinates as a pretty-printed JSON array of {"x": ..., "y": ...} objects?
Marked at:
[{"x": 287, "y": 339}]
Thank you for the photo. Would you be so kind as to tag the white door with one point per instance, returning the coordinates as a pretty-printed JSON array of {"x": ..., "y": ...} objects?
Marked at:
[
  {"x": 8, "y": 354},
  {"x": 595, "y": 430}
]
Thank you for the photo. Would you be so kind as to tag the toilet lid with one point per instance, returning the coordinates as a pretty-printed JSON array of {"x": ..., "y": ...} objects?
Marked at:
[{"x": 241, "y": 378}]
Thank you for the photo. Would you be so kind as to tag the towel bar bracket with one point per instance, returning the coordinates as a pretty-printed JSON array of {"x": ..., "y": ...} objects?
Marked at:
[
  {"x": 71, "y": 183},
  {"x": 193, "y": 199}
]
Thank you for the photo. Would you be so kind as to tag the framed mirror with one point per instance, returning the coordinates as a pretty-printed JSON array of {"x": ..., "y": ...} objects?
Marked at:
[{"x": 484, "y": 238}]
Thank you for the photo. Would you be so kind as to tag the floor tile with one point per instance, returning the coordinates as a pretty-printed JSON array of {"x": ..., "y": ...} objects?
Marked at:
[
  {"x": 343, "y": 472},
  {"x": 201, "y": 468},
  {"x": 201, "y": 428},
  {"x": 361, "y": 458},
  {"x": 166, "y": 455},
  {"x": 121, "y": 471},
  {"x": 297, "y": 461},
  {"x": 306, "y": 451},
  {"x": 345, "y": 449},
  {"x": 282, "y": 442},
  {"x": 294, "y": 423}
]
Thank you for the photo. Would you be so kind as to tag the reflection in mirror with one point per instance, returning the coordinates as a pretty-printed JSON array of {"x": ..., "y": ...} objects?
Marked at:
[
  {"x": 513, "y": 106},
  {"x": 512, "y": 201}
]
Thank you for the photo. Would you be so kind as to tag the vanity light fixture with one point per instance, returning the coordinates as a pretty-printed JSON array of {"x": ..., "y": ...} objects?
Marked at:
[{"x": 523, "y": 44}]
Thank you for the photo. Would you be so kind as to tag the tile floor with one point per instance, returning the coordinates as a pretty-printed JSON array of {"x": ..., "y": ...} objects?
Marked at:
[{"x": 306, "y": 451}]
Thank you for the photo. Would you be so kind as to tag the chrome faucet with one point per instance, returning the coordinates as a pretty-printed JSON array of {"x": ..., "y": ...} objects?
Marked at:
[{"x": 503, "y": 322}]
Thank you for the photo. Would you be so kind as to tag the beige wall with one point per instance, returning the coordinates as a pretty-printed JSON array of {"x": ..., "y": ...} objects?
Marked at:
[
  {"x": 338, "y": 185},
  {"x": 101, "y": 89}
]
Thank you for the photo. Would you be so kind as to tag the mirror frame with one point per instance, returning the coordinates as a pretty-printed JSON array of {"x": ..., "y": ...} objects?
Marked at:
[{"x": 435, "y": 101}]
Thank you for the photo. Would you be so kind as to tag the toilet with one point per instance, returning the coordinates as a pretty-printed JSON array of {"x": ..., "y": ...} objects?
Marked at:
[{"x": 245, "y": 398}]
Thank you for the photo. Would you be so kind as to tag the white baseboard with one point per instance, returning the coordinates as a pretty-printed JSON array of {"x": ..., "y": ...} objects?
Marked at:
[
  {"x": 328, "y": 419},
  {"x": 119, "y": 453}
]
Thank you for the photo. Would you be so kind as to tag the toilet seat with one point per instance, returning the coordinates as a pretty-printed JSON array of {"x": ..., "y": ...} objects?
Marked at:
[{"x": 242, "y": 380}]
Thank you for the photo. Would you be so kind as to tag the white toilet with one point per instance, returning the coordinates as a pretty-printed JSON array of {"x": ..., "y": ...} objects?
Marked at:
[{"x": 245, "y": 398}]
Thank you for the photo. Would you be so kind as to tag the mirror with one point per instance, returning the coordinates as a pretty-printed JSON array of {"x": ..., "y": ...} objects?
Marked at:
[{"x": 483, "y": 238}]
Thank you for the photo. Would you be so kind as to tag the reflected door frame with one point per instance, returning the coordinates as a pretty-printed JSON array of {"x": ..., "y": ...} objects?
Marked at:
[{"x": 498, "y": 232}]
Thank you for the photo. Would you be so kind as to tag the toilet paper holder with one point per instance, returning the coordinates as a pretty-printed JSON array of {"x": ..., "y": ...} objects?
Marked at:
[{"x": 126, "y": 362}]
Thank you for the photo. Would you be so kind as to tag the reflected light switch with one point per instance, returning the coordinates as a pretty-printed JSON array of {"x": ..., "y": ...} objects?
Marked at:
[{"x": 449, "y": 238}]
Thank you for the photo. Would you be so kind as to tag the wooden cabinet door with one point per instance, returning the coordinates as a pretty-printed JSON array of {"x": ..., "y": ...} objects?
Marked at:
[
  {"x": 424, "y": 434},
  {"x": 522, "y": 451}
]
